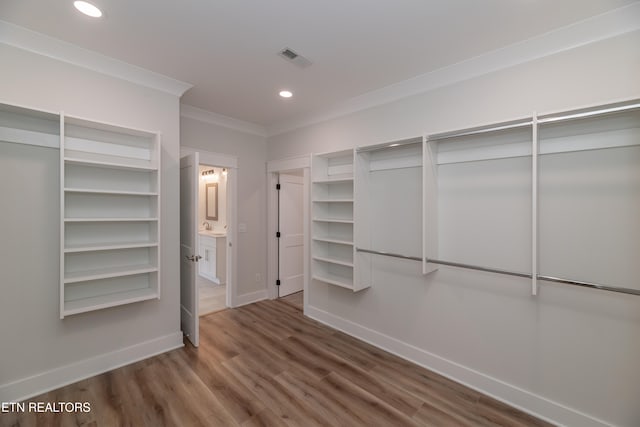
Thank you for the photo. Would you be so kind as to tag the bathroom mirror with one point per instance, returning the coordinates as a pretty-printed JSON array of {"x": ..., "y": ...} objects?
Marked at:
[{"x": 212, "y": 201}]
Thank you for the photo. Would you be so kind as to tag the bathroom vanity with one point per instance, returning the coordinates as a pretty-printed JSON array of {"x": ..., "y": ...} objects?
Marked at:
[{"x": 212, "y": 251}]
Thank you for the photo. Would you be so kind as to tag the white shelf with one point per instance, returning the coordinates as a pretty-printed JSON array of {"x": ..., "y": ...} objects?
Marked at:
[
  {"x": 110, "y": 219},
  {"x": 108, "y": 246},
  {"x": 105, "y": 273},
  {"x": 330, "y": 240},
  {"x": 333, "y": 180},
  {"x": 336, "y": 220},
  {"x": 334, "y": 279},
  {"x": 110, "y": 165},
  {"x": 119, "y": 193},
  {"x": 104, "y": 301},
  {"x": 332, "y": 200},
  {"x": 110, "y": 208},
  {"x": 334, "y": 261},
  {"x": 332, "y": 196}
]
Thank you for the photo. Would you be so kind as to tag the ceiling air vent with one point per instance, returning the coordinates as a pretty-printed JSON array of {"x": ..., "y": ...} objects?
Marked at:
[{"x": 294, "y": 58}]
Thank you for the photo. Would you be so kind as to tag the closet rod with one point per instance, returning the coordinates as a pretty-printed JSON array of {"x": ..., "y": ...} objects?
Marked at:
[
  {"x": 477, "y": 267},
  {"x": 508, "y": 273},
  {"x": 590, "y": 113},
  {"x": 391, "y": 254},
  {"x": 394, "y": 144},
  {"x": 480, "y": 130},
  {"x": 589, "y": 285},
  {"x": 538, "y": 277}
]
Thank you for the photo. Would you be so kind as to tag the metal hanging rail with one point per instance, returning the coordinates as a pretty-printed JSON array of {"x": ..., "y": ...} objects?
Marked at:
[
  {"x": 589, "y": 285},
  {"x": 481, "y": 130},
  {"x": 478, "y": 268},
  {"x": 394, "y": 144},
  {"x": 508, "y": 273},
  {"x": 550, "y": 118},
  {"x": 391, "y": 254}
]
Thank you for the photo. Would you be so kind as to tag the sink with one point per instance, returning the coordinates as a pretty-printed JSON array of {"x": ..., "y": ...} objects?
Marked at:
[{"x": 212, "y": 233}]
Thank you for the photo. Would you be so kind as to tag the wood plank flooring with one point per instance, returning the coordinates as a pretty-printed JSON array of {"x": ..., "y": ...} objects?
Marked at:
[
  {"x": 295, "y": 299},
  {"x": 267, "y": 365}
]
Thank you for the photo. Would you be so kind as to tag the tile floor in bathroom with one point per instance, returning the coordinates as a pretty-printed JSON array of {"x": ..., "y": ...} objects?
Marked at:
[{"x": 211, "y": 295}]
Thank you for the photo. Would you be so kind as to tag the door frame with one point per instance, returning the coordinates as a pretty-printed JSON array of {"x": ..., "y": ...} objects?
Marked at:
[
  {"x": 290, "y": 184},
  {"x": 231, "y": 163},
  {"x": 275, "y": 167}
]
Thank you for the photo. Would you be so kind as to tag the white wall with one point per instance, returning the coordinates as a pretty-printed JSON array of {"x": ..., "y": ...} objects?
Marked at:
[
  {"x": 569, "y": 354},
  {"x": 38, "y": 350},
  {"x": 251, "y": 152}
]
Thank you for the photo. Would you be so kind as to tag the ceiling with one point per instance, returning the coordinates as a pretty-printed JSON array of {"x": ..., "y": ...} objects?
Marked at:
[{"x": 228, "y": 48}]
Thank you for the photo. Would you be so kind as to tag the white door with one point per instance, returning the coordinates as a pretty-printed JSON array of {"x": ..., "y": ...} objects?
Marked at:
[
  {"x": 188, "y": 247},
  {"x": 291, "y": 242}
]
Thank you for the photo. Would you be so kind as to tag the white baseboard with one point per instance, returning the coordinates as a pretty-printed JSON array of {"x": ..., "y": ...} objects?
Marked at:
[
  {"x": 250, "y": 298},
  {"x": 524, "y": 400},
  {"x": 59, "y": 377}
]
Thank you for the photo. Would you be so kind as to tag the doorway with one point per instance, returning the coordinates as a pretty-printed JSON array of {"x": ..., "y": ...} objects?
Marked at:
[
  {"x": 211, "y": 277},
  {"x": 288, "y": 223},
  {"x": 207, "y": 232},
  {"x": 290, "y": 235}
]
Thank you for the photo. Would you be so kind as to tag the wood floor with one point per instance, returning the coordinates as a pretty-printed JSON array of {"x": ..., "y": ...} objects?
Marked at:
[
  {"x": 266, "y": 365},
  {"x": 295, "y": 299}
]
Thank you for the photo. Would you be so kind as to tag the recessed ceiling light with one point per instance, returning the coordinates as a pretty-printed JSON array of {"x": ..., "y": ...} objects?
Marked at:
[
  {"x": 286, "y": 93},
  {"x": 88, "y": 9}
]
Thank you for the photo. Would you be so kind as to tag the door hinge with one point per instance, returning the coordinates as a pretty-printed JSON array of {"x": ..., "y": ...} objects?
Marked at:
[
  {"x": 278, "y": 234},
  {"x": 278, "y": 282},
  {"x": 277, "y": 186}
]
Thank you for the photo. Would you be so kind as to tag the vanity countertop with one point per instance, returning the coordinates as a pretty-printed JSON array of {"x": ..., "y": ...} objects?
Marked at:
[{"x": 211, "y": 233}]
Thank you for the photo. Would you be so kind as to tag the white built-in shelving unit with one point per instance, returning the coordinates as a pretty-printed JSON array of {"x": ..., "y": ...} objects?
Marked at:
[
  {"x": 550, "y": 197},
  {"x": 588, "y": 204},
  {"x": 109, "y": 206},
  {"x": 110, "y": 210},
  {"x": 389, "y": 184},
  {"x": 332, "y": 249}
]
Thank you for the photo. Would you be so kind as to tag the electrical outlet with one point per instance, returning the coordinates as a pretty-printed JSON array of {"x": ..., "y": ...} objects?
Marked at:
[{"x": 258, "y": 277}]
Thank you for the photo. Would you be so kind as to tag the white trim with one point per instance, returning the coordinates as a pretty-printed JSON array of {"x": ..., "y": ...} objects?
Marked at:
[
  {"x": 195, "y": 113},
  {"x": 534, "y": 204},
  {"x": 250, "y": 298},
  {"x": 23, "y": 38},
  {"x": 232, "y": 237},
  {"x": 517, "y": 397},
  {"x": 289, "y": 163},
  {"x": 272, "y": 241},
  {"x": 59, "y": 377},
  {"x": 607, "y": 25},
  {"x": 306, "y": 214},
  {"x": 211, "y": 158}
]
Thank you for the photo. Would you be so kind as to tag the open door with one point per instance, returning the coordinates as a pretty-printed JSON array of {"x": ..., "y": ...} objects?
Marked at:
[
  {"x": 188, "y": 247},
  {"x": 291, "y": 242}
]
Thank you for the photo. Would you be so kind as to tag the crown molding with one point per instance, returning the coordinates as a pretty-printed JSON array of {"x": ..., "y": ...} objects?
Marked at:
[
  {"x": 195, "y": 113},
  {"x": 23, "y": 38},
  {"x": 607, "y": 25}
]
